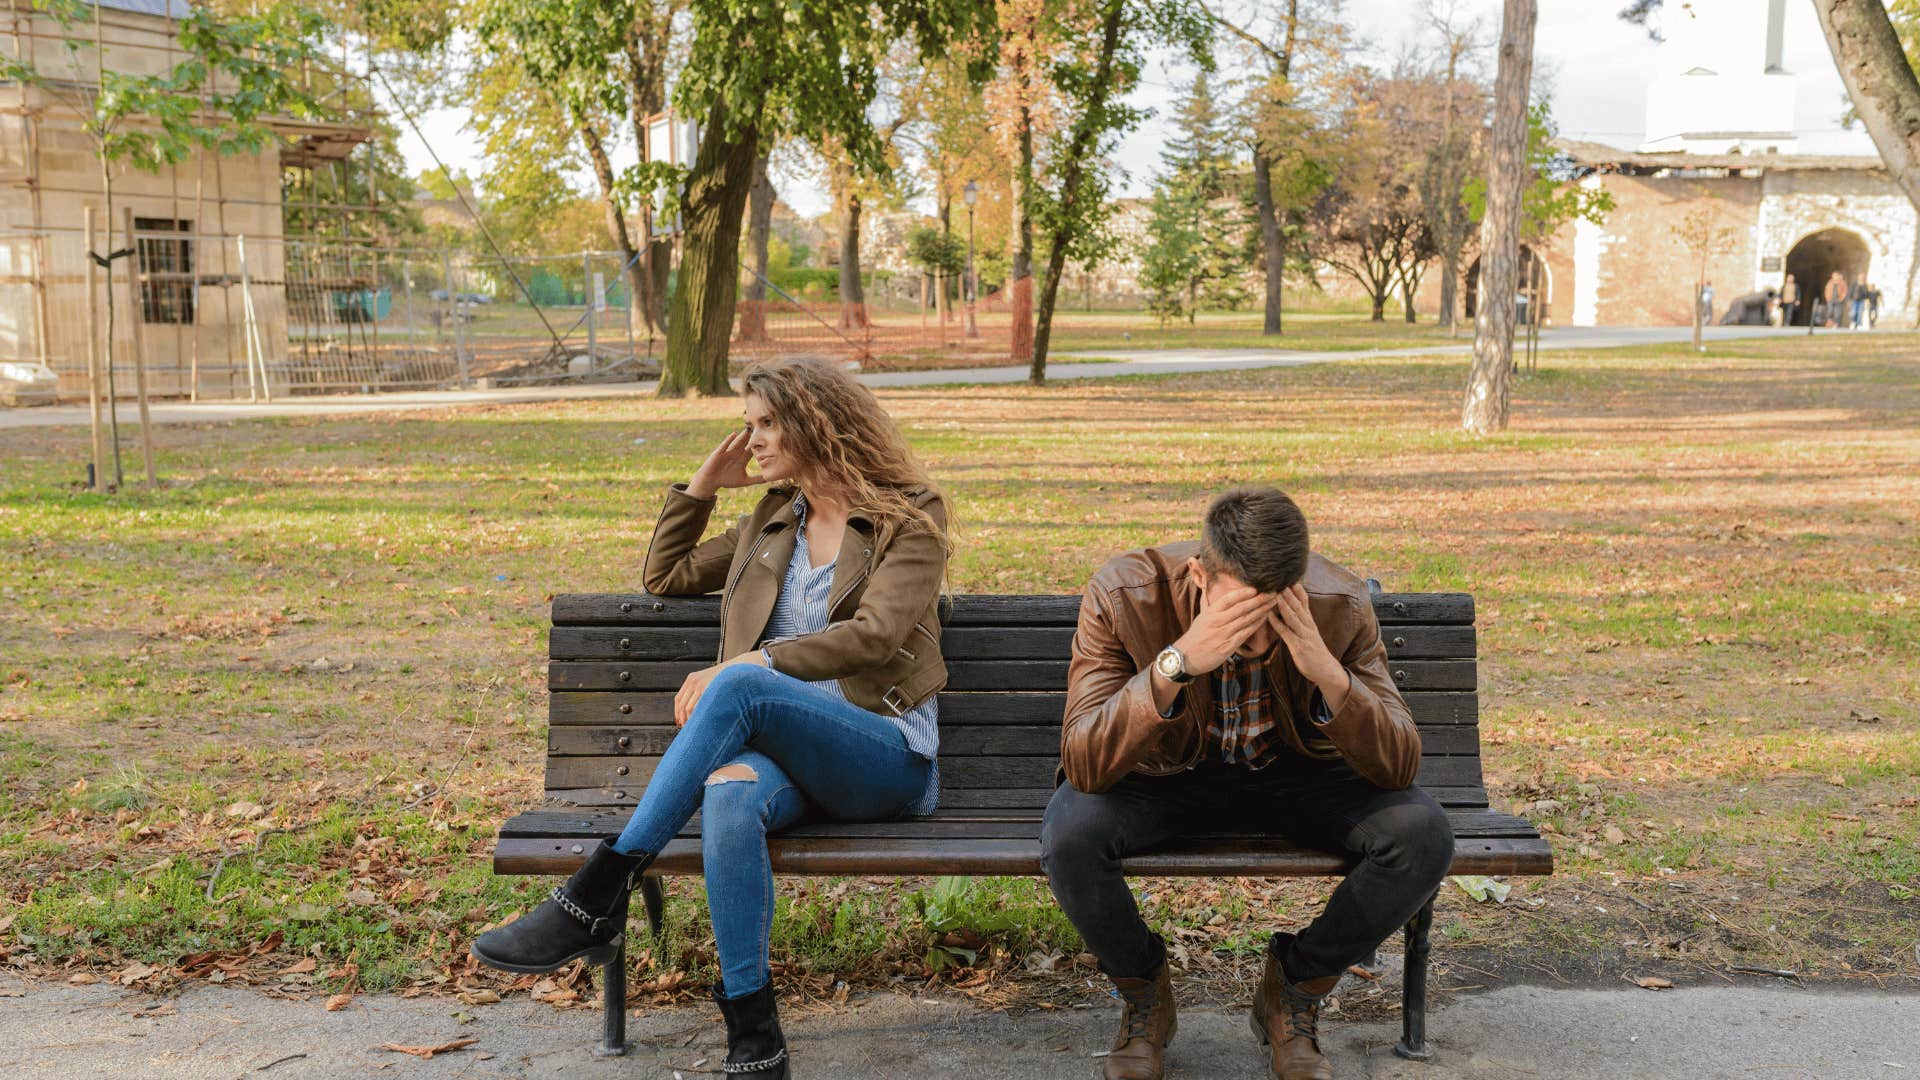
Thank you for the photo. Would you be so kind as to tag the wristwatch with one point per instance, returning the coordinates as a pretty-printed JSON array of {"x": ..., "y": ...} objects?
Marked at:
[{"x": 1172, "y": 666}]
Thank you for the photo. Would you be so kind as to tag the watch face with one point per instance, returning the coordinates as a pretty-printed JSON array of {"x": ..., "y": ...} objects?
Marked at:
[{"x": 1169, "y": 663}]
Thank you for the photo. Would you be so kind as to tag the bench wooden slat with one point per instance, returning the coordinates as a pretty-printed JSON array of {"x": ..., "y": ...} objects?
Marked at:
[
  {"x": 981, "y": 857},
  {"x": 969, "y": 798},
  {"x": 961, "y": 772},
  {"x": 593, "y": 707},
  {"x": 584, "y": 823},
  {"x": 962, "y": 675},
  {"x": 640, "y": 609},
  {"x": 957, "y": 643},
  {"x": 602, "y": 740}
]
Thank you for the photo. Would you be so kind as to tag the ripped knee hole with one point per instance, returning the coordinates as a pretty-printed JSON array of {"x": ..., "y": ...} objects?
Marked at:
[{"x": 727, "y": 774}]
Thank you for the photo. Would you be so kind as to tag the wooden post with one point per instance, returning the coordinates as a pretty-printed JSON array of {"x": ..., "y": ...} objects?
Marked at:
[
  {"x": 137, "y": 311},
  {"x": 93, "y": 361}
]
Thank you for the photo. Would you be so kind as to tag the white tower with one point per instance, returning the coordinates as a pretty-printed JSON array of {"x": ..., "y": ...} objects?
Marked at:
[{"x": 1720, "y": 86}]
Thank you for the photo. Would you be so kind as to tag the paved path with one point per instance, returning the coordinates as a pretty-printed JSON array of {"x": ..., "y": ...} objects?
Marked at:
[
  {"x": 1120, "y": 362},
  {"x": 212, "y": 1032}
]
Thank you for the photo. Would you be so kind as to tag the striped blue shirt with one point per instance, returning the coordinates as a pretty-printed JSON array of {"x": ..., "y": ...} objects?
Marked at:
[{"x": 802, "y": 609}]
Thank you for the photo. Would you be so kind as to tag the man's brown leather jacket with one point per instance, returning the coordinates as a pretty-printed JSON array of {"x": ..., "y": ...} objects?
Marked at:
[
  {"x": 1141, "y": 601},
  {"x": 883, "y": 643}
]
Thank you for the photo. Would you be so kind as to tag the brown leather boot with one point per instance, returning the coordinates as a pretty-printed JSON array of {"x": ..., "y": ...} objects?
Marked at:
[
  {"x": 1286, "y": 1018},
  {"x": 1147, "y": 1024}
]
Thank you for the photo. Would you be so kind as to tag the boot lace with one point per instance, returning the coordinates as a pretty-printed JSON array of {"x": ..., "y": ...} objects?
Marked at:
[{"x": 1137, "y": 1019}]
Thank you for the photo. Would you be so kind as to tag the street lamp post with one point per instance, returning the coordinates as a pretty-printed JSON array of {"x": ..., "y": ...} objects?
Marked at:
[{"x": 971, "y": 194}]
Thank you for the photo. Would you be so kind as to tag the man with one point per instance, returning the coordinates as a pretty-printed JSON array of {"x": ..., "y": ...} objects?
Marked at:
[
  {"x": 1857, "y": 296},
  {"x": 1706, "y": 304},
  {"x": 1789, "y": 300},
  {"x": 1239, "y": 678},
  {"x": 1836, "y": 297}
]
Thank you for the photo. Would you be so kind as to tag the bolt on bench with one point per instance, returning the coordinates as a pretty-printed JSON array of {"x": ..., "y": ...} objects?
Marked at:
[{"x": 617, "y": 659}]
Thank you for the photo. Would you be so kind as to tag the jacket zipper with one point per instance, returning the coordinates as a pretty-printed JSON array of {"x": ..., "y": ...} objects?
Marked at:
[
  {"x": 834, "y": 601},
  {"x": 726, "y": 598}
]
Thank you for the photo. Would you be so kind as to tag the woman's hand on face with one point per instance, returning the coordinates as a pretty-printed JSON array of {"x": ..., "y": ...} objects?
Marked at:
[{"x": 726, "y": 467}]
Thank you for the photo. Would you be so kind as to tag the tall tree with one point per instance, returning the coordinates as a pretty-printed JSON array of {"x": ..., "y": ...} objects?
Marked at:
[
  {"x": 1023, "y": 100},
  {"x": 1196, "y": 239},
  {"x": 1488, "y": 381},
  {"x": 1104, "y": 51},
  {"x": 754, "y": 71},
  {"x": 596, "y": 65},
  {"x": 1277, "y": 126},
  {"x": 1367, "y": 222},
  {"x": 1451, "y": 160},
  {"x": 753, "y": 317}
]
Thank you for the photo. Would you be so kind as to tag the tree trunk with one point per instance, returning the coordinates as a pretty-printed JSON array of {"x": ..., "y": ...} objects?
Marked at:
[
  {"x": 1407, "y": 290},
  {"x": 1449, "y": 288},
  {"x": 753, "y": 315},
  {"x": 701, "y": 326},
  {"x": 1379, "y": 299},
  {"x": 1880, "y": 83},
  {"x": 611, "y": 204},
  {"x": 1486, "y": 407},
  {"x": 1271, "y": 240},
  {"x": 1080, "y": 147},
  {"x": 647, "y": 43},
  {"x": 1020, "y": 273},
  {"x": 853, "y": 303}
]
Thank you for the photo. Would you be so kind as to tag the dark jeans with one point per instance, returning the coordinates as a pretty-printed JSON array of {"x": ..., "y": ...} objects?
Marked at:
[{"x": 1401, "y": 838}]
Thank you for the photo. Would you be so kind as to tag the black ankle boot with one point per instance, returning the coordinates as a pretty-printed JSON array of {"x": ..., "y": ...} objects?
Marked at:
[
  {"x": 755, "y": 1046},
  {"x": 583, "y": 918}
]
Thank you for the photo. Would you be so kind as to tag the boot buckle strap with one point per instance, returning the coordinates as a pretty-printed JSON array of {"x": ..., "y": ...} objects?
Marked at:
[
  {"x": 763, "y": 1065},
  {"x": 593, "y": 923}
]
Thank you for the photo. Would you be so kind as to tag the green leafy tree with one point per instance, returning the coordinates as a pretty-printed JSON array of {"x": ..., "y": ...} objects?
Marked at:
[
  {"x": 1197, "y": 231},
  {"x": 1103, "y": 49},
  {"x": 758, "y": 71},
  {"x": 1551, "y": 196},
  {"x": 554, "y": 84},
  {"x": 1171, "y": 260}
]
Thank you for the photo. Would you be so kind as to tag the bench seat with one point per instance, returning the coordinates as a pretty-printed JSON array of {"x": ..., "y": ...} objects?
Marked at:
[{"x": 616, "y": 660}]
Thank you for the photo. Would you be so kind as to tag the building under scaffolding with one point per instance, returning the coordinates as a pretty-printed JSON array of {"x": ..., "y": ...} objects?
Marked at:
[{"x": 218, "y": 298}]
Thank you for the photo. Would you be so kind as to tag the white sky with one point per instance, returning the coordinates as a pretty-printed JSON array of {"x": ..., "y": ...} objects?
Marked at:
[{"x": 1597, "y": 66}]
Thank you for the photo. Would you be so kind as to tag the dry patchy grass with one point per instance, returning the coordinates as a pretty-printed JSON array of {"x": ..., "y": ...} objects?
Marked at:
[{"x": 317, "y": 652}]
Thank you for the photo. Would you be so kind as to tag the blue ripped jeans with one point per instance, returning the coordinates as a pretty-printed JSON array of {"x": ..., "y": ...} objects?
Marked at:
[{"x": 793, "y": 747}]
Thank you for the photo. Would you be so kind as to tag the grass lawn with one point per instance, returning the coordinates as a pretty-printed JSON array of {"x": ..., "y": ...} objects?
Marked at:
[{"x": 272, "y": 712}]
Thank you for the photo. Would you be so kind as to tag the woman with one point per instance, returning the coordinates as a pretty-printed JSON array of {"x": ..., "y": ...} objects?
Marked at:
[{"x": 823, "y": 703}]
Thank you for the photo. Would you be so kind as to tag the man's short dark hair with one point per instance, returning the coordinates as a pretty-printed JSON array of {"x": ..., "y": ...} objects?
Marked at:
[{"x": 1256, "y": 534}]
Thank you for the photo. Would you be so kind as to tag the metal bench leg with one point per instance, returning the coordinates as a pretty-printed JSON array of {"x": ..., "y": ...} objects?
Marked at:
[
  {"x": 1413, "y": 1006},
  {"x": 613, "y": 1041},
  {"x": 654, "y": 896}
]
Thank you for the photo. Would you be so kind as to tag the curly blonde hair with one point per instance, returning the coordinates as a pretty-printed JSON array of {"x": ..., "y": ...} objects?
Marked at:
[{"x": 844, "y": 440}]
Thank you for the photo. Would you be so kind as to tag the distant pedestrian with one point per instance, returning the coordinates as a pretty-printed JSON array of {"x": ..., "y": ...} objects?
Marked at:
[
  {"x": 1789, "y": 301},
  {"x": 1836, "y": 298},
  {"x": 1873, "y": 305},
  {"x": 1706, "y": 304},
  {"x": 1857, "y": 300}
]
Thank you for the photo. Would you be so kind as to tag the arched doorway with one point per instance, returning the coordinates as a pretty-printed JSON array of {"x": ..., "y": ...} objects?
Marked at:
[
  {"x": 1543, "y": 285},
  {"x": 1814, "y": 260}
]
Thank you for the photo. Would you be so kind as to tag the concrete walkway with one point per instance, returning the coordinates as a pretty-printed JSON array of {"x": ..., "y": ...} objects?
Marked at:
[
  {"x": 58, "y": 1031},
  {"x": 1121, "y": 362}
]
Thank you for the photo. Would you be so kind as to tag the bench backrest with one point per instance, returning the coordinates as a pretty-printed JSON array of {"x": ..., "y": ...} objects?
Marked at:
[{"x": 617, "y": 659}]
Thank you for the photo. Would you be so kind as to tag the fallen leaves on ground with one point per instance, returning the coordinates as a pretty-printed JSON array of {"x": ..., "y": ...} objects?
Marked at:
[{"x": 429, "y": 1051}]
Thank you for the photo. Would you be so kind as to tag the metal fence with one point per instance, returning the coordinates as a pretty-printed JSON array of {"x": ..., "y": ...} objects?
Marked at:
[{"x": 228, "y": 316}]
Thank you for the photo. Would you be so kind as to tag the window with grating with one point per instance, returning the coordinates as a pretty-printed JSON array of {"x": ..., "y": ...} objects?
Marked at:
[{"x": 166, "y": 270}]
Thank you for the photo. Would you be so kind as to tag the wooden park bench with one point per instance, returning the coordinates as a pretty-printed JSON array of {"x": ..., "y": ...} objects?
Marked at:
[{"x": 618, "y": 659}]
